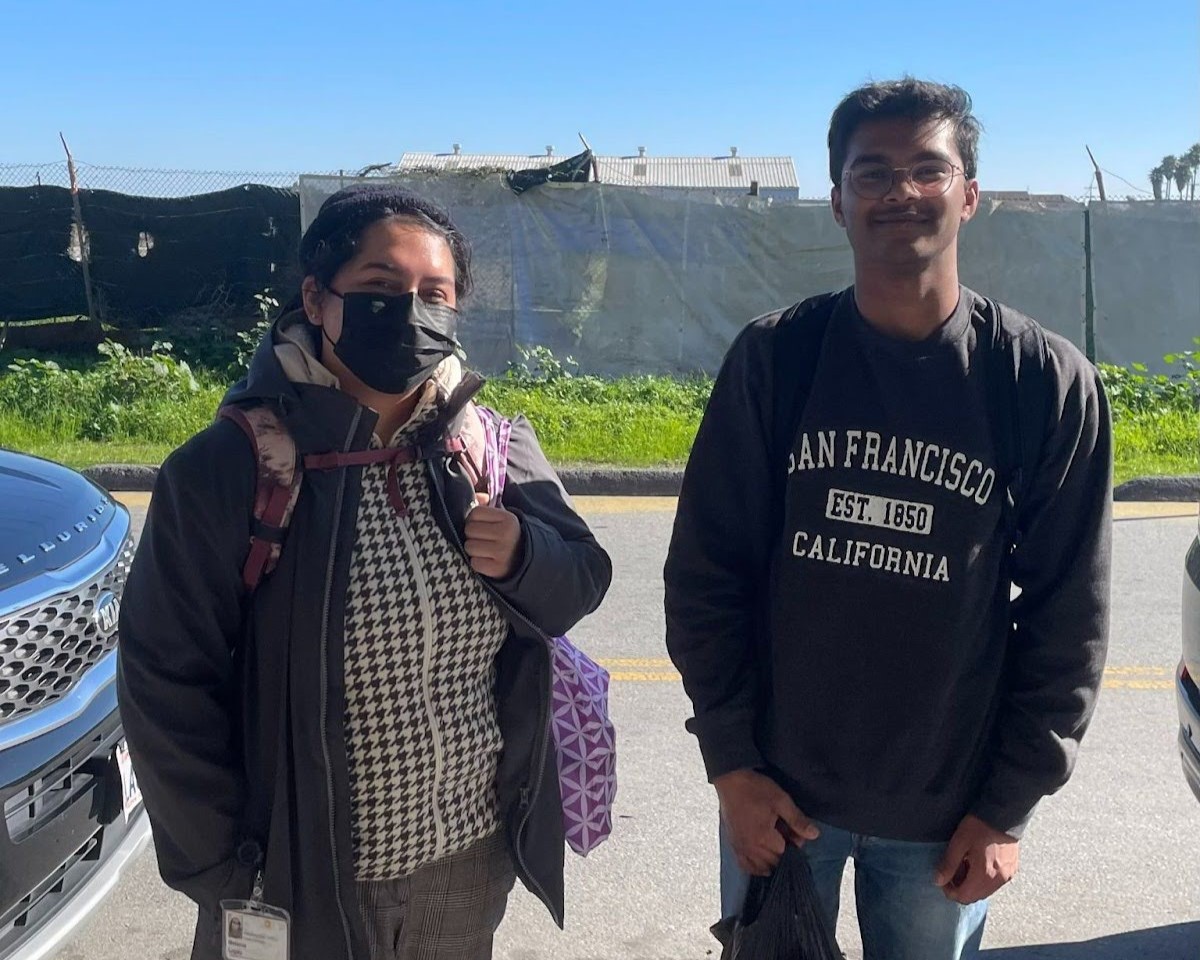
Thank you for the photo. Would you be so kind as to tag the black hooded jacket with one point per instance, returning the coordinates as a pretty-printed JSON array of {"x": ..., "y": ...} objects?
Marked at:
[{"x": 234, "y": 705}]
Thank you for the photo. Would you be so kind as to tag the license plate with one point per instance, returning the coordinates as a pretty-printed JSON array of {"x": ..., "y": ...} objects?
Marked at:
[{"x": 131, "y": 795}]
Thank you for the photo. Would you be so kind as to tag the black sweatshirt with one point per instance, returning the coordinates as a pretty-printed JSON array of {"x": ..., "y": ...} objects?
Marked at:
[{"x": 868, "y": 655}]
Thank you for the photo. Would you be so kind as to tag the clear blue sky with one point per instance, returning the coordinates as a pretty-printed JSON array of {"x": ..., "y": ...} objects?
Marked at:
[{"x": 317, "y": 87}]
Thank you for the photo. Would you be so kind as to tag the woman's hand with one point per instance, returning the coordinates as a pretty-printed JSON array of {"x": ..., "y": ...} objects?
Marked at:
[{"x": 493, "y": 539}]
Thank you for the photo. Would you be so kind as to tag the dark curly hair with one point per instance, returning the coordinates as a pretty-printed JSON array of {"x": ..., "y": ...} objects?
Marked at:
[
  {"x": 331, "y": 240},
  {"x": 911, "y": 99}
]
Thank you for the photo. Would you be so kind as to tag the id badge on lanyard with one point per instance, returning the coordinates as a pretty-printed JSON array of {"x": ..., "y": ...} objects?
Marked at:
[{"x": 252, "y": 930}]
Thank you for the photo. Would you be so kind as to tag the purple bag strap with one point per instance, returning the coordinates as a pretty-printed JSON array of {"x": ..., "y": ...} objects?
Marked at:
[{"x": 496, "y": 431}]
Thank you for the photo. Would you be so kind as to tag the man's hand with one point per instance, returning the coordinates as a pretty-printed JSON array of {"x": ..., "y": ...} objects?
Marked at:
[
  {"x": 978, "y": 862},
  {"x": 761, "y": 820},
  {"x": 493, "y": 536}
]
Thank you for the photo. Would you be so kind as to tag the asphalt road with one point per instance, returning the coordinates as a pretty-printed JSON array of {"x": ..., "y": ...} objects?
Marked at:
[{"x": 1111, "y": 865}]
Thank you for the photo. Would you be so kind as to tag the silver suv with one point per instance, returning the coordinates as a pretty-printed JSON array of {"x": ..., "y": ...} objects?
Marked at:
[
  {"x": 72, "y": 820},
  {"x": 1186, "y": 690}
]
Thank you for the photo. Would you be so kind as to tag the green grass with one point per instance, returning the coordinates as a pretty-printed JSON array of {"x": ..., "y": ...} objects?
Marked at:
[
  {"x": 131, "y": 408},
  {"x": 616, "y": 426},
  {"x": 59, "y": 442},
  {"x": 1156, "y": 444},
  {"x": 617, "y": 432}
]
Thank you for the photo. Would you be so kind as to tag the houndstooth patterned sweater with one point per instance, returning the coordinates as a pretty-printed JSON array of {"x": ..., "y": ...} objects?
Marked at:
[{"x": 422, "y": 635}]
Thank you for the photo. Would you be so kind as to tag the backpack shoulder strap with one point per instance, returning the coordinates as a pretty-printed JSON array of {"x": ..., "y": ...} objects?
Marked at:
[
  {"x": 496, "y": 430},
  {"x": 1017, "y": 401},
  {"x": 795, "y": 353},
  {"x": 277, "y": 485}
]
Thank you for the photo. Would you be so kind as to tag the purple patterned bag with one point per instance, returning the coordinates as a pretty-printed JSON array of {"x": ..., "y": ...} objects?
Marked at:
[{"x": 584, "y": 739}]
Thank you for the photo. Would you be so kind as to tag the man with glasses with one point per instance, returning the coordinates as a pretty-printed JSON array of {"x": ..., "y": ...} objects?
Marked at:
[{"x": 876, "y": 470}]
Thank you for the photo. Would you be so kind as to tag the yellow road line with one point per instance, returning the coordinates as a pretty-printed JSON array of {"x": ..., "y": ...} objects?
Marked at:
[
  {"x": 661, "y": 670},
  {"x": 593, "y": 506},
  {"x": 1115, "y": 678},
  {"x": 1140, "y": 671},
  {"x": 621, "y": 677},
  {"x": 1124, "y": 510},
  {"x": 597, "y": 506},
  {"x": 671, "y": 677},
  {"x": 1139, "y": 684},
  {"x": 1154, "y": 511}
]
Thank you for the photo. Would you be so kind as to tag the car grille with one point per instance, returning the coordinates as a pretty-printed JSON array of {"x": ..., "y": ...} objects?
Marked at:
[
  {"x": 83, "y": 769},
  {"x": 47, "y": 648},
  {"x": 37, "y": 906}
]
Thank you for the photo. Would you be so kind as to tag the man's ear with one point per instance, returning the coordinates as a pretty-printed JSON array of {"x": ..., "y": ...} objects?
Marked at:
[
  {"x": 835, "y": 201},
  {"x": 971, "y": 204}
]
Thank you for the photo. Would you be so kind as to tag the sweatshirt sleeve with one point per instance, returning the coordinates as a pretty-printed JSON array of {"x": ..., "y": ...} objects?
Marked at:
[
  {"x": 717, "y": 564},
  {"x": 181, "y": 619},
  {"x": 1060, "y": 620}
]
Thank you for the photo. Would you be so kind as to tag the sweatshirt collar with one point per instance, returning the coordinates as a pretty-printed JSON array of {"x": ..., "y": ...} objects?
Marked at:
[{"x": 947, "y": 333}]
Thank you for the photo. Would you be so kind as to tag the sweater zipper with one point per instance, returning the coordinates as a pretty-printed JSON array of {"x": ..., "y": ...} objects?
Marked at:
[
  {"x": 439, "y": 759},
  {"x": 528, "y": 795},
  {"x": 329, "y": 798}
]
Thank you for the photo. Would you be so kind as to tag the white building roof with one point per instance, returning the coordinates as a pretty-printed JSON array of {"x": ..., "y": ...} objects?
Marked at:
[{"x": 703, "y": 173}]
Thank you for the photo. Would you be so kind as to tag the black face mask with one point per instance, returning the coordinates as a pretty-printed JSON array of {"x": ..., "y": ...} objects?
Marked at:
[{"x": 394, "y": 344}]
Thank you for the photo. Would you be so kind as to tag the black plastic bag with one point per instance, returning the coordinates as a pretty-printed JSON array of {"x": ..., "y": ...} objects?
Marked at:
[{"x": 781, "y": 918}]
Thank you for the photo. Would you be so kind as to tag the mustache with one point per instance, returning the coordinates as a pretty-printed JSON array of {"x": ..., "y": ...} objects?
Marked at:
[{"x": 914, "y": 214}]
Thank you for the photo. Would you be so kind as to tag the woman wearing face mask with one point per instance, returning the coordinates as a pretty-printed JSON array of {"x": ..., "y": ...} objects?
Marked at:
[{"x": 353, "y": 750}]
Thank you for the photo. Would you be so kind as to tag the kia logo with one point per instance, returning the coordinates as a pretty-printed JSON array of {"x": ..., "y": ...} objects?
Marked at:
[{"x": 108, "y": 611}]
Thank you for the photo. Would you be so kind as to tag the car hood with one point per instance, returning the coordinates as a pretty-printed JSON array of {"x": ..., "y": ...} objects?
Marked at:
[{"x": 50, "y": 516}]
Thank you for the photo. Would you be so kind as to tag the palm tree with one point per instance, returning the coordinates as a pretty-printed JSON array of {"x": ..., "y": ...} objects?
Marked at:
[
  {"x": 1192, "y": 159},
  {"x": 1156, "y": 182},
  {"x": 1183, "y": 176},
  {"x": 1168, "y": 165}
]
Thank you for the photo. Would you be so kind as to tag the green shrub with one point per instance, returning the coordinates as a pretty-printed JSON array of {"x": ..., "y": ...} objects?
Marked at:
[
  {"x": 125, "y": 396},
  {"x": 1134, "y": 389},
  {"x": 224, "y": 344}
]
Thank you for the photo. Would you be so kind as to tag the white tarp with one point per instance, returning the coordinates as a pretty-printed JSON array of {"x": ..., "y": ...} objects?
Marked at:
[
  {"x": 631, "y": 282},
  {"x": 1146, "y": 262}
]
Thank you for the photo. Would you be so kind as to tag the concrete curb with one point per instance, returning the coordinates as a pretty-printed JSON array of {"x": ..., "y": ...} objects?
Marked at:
[
  {"x": 579, "y": 481},
  {"x": 1160, "y": 489},
  {"x": 655, "y": 482},
  {"x": 621, "y": 481},
  {"x": 126, "y": 477}
]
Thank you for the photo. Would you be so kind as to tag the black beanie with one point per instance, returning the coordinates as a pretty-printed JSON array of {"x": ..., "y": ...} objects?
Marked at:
[{"x": 324, "y": 248}]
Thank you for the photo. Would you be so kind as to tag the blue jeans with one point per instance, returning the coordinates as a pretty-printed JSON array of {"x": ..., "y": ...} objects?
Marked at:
[{"x": 901, "y": 914}]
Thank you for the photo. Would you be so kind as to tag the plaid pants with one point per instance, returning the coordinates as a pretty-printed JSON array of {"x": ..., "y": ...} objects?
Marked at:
[{"x": 447, "y": 910}]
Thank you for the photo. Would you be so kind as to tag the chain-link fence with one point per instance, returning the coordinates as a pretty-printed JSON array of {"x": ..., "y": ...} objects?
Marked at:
[
  {"x": 138, "y": 182},
  {"x": 143, "y": 248},
  {"x": 147, "y": 182},
  {"x": 623, "y": 278}
]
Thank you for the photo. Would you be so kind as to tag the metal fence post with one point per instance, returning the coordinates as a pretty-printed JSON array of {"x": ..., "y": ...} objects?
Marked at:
[
  {"x": 81, "y": 233},
  {"x": 1089, "y": 295}
]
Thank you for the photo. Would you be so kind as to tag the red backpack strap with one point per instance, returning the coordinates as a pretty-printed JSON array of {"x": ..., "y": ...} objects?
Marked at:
[
  {"x": 392, "y": 456},
  {"x": 277, "y": 486}
]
